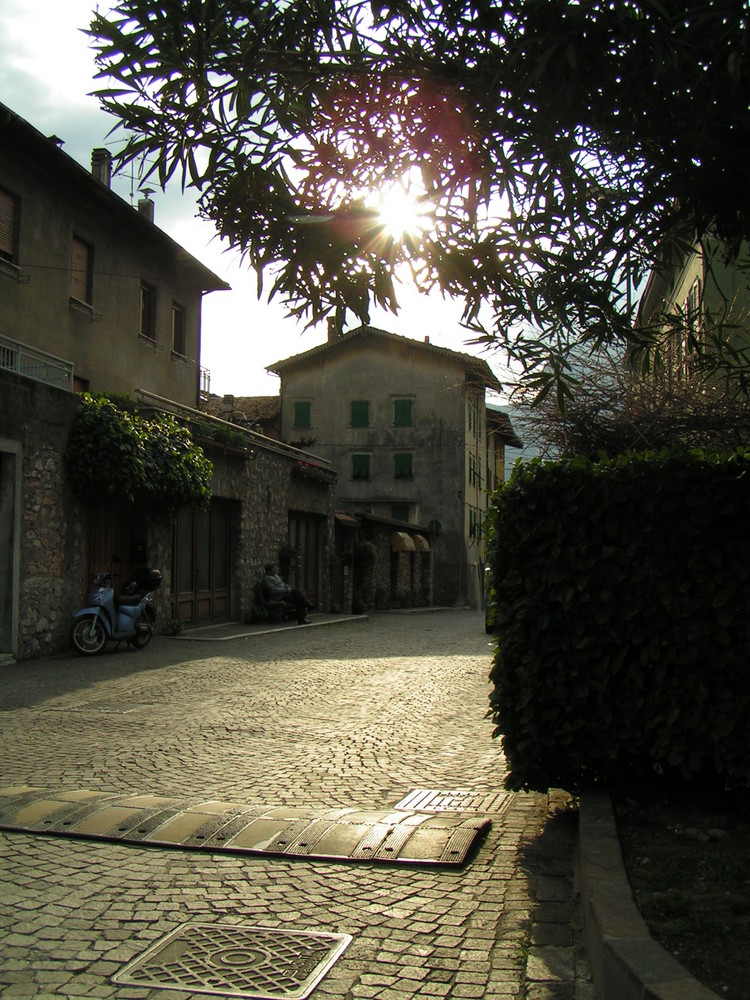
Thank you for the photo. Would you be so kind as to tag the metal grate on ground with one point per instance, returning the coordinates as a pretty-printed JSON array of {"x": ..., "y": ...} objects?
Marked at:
[
  {"x": 235, "y": 961},
  {"x": 472, "y": 800}
]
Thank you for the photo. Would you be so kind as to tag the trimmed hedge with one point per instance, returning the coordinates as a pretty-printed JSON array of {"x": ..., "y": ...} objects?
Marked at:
[{"x": 622, "y": 607}]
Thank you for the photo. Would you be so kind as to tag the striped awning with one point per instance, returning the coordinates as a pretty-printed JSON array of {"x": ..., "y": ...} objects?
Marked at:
[{"x": 401, "y": 542}]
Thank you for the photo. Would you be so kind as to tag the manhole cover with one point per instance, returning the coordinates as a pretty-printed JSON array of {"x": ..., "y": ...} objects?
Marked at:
[
  {"x": 455, "y": 800},
  {"x": 234, "y": 961}
]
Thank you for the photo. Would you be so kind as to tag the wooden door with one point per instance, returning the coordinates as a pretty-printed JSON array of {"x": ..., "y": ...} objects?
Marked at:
[
  {"x": 306, "y": 537},
  {"x": 202, "y": 564}
]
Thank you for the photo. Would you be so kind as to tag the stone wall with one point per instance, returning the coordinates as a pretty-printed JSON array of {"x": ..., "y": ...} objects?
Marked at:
[
  {"x": 267, "y": 486},
  {"x": 43, "y": 556},
  {"x": 45, "y": 566}
]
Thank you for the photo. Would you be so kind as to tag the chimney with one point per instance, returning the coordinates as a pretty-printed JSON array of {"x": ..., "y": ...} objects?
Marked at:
[
  {"x": 146, "y": 206},
  {"x": 426, "y": 340},
  {"x": 227, "y": 403},
  {"x": 101, "y": 166}
]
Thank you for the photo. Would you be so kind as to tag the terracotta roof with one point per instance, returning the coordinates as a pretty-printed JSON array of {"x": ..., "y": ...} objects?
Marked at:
[
  {"x": 468, "y": 362},
  {"x": 253, "y": 408}
]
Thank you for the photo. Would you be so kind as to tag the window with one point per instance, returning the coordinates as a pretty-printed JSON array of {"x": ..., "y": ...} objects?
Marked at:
[
  {"x": 360, "y": 466},
  {"x": 360, "y": 410},
  {"x": 8, "y": 226},
  {"x": 400, "y": 512},
  {"x": 402, "y": 413},
  {"x": 475, "y": 471},
  {"x": 302, "y": 416},
  {"x": 147, "y": 323},
  {"x": 81, "y": 271},
  {"x": 179, "y": 341},
  {"x": 402, "y": 465}
]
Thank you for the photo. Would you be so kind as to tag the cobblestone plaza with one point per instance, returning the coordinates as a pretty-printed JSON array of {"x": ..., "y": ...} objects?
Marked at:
[{"x": 350, "y": 716}]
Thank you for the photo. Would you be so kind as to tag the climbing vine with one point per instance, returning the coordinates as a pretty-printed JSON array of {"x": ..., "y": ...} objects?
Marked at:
[{"x": 115, "y": 451}]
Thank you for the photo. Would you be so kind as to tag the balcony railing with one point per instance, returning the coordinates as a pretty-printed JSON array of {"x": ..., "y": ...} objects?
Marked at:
[
  {"x": 205, "y": 389},
  {"x": 33, "y": 363}
]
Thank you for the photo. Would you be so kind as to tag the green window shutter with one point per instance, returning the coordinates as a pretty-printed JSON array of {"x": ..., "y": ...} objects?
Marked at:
[
  {"x": 402, "y": 413},
  {"x": 360, "y": 466},
  {"x": 360, "y": 409},
  {"x": 402, "y": 466},
  {"x": 302, "y": 416}
]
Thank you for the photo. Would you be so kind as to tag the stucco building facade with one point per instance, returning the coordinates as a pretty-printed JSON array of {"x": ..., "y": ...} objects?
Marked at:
[
  {"x": 405, "y": 425},
  {"x": 94, "y": 296}
]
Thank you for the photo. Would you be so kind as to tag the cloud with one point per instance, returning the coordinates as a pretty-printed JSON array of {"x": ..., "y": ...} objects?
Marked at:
[{"x": 47, "y": 71}]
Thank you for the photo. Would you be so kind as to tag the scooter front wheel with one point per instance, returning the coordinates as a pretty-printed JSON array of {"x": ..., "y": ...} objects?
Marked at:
[{"x": 88, "y": 635}]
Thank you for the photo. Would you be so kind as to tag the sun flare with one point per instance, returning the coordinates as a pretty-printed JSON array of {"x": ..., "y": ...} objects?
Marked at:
[{"x": 402, "y": 210}]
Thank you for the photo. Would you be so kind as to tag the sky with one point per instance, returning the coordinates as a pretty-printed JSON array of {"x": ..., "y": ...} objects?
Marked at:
[{"x": 46, "y": 74}]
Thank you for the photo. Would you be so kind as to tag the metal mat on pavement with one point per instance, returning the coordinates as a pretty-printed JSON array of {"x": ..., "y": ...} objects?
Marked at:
[{"x": 385, "y": 836}]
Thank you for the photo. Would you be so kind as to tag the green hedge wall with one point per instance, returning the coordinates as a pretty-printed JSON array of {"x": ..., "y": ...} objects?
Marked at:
[{"x": 622, "y": 607}]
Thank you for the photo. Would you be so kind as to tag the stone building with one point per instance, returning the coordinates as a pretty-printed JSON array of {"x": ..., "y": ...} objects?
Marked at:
[
  {"x": 93, "y": 295},
  {"x": 406, "y": 426}
]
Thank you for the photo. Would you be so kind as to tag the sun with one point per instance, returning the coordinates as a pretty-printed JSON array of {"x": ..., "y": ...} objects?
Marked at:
[{"x": 402, "y": 210}]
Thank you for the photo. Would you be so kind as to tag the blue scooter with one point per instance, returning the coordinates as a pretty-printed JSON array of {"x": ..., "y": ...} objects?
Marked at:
[{"x": 130, "y": 616}]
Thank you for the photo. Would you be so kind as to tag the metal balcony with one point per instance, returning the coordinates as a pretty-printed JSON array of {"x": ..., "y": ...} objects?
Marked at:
[{"x": 30, "y": 362}]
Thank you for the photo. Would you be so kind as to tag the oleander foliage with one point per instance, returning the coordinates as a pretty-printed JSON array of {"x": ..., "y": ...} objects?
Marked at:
[
  {"x": 558, "y": 151},
  {"x": 622, "y": 603}
]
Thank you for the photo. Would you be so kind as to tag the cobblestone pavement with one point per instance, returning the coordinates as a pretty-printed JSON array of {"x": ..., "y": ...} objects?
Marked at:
[{"x": 352, "y": 715}]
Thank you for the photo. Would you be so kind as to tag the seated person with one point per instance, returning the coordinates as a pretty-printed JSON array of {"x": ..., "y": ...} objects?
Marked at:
[{"x": 276, "y": 588}]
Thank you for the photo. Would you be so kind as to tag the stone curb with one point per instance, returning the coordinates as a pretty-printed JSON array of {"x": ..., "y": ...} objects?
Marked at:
[
  {"x": 625, "y": 961},
  {"x": 226, "y": 631}
]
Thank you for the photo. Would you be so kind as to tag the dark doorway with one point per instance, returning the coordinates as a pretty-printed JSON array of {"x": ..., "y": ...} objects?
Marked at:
[
  {"x": 109, "y": 541},
  {"x": 8, "y": 536}
]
